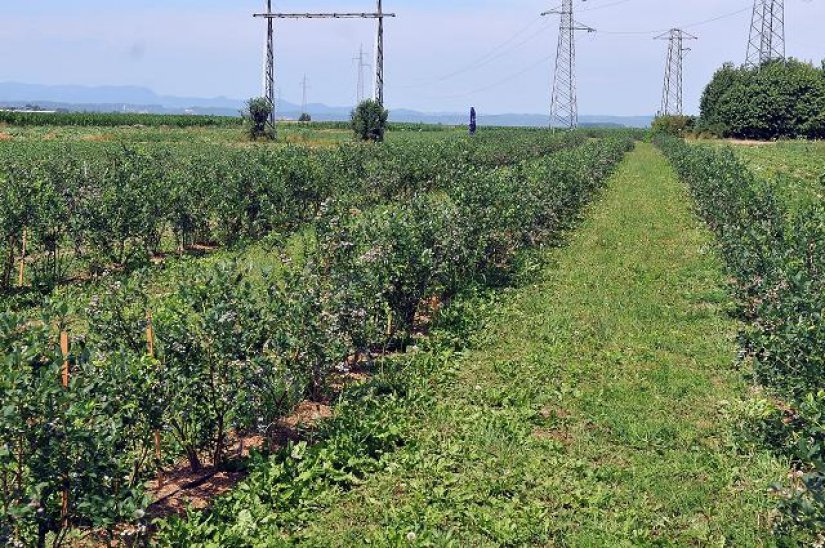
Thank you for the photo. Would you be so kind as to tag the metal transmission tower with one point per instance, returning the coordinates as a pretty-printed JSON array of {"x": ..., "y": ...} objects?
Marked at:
[
  {"x": 766, "y": 41},
  {"x": 379, "y": 56},
  {"x": 270, "y": 58},
  {"x": 564, "y": 110},
  {"x": 269, "y": 65},
  {"x": 672, "y": 92},
  {"x": 360, "y": 90},
  {"x": 304, "y": 88}
]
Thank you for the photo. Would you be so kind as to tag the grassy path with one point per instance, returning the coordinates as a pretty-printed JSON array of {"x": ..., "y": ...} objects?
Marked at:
[{"x": 592, "y": 410}]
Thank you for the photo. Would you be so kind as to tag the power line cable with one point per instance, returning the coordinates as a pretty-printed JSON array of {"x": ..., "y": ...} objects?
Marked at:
[
  {"x": 517, "y": 45},
  {"x": 604, "y": 6},
  {"x": 488, "y": 57},
  {"x": 497, "y": 83},
  {"x": 718, "y": 18},
  {"x": 596, "y": 7},
  {"x": 689, "y": 25},
  {"x": 532, "y": 66},
  {"x": 502, "y": 49}
]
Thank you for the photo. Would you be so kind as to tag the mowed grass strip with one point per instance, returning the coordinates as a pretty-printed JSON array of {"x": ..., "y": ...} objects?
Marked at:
[{"x": 592, "y": 410}]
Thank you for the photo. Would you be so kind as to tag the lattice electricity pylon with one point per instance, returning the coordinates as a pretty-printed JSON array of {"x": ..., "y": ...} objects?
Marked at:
[
  {"x": 564, "y": 109},
  {"x": 672, "y": 103},
  {"x": 766, "y": 40},
  {"x": 269, "y": 65}
]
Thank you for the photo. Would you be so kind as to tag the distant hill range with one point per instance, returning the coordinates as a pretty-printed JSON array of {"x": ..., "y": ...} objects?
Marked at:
[{"x": 138, "y": 99}]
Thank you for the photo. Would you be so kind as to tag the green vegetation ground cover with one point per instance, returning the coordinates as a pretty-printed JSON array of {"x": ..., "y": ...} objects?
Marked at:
[
  {"x": 773, "y": 249},
  {"x": 235, "y": 352},
  {"x": 315, "y": 134},
  {"x": 589, "y": 409},
  {"x": 593, "y": 411},
  {"x": 310, "y": 135},
  {"x": 113, "y": 119},
  {"x": 797, "y": 168},
  {"x": 82, "y": 208},
  {"x": 119, "y": 119},
  {"x": 270, "y": 251},
  {"x": 158, "y": 282},
  {"x": 551, "y": 191}
]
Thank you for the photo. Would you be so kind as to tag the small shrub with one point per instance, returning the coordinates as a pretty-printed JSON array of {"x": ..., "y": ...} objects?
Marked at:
[
  {"x": 678, "y": 126},
  {"x": 259, "y": 110},
  {"x": 305, "y": 117},
  {"x": 369, "y": 121}
]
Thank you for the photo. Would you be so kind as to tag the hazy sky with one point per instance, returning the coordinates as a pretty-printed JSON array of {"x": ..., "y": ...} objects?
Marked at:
[{"x": 441, "y": 55}]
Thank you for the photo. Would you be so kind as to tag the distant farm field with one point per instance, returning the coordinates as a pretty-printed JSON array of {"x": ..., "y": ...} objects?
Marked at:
[{"x": 311, "y": 134}]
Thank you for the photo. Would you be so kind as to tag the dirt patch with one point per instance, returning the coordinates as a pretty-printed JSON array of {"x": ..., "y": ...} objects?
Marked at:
[
  {"x": 202, "y": 248},
  {"x": 549, "y": 412},
  {"x": 561, "y": 436},
  {"x": 355, "y": 371},
  {"x": 5, "y": 136},
  {"x": 99, "y": 138},
  {"x": 425, "y": 315},
  {"x": 176, "y": 489},
  {"x": 179, "y": 488},
  {"x": 307, "y": 414}
]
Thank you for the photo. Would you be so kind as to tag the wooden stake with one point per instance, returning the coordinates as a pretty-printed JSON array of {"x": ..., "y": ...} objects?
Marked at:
[
  {"x": 22, "y": 275},
  {"x": 150, "y": 335},
  {"x": 64, "y": 348},
  {"x": 64, "y": 510},
  {"x": 150, "y": 347},
  {"x": 157, "y": 444}
]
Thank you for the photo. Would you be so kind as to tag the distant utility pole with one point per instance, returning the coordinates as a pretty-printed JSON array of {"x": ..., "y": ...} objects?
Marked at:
[
  {"x": 269, "y": 67},
  {"x": 672, "y": 103},
  {"x": 360, "y": 90},
  {"x": 766, "y": 41},
  {"x": 564, "y": 109},
  {"x": 304, "y": 87}
]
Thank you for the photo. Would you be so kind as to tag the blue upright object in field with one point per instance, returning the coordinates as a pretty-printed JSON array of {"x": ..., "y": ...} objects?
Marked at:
[{"x": 473, "y": 125}]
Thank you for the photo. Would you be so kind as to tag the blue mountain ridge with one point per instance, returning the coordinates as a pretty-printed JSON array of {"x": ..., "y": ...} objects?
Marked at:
[{"x": 141, "y": 99}]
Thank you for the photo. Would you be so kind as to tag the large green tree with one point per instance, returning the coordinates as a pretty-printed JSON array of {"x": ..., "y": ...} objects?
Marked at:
[{"x": 776, "y": 100}]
